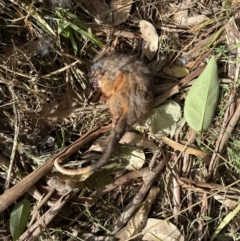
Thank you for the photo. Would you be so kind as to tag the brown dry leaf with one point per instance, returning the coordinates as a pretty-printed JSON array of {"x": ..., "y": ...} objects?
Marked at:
[
  {"x": 99, "y": 144},
  {"x": 199, "y": 47},
  {"x": 186, "y": 4},
  {"x": 134, "y": 139},
  {"x": 195, "y": 20},
  {"x": 165, "y": 95},
  {"x": 157, "y": 229},
  {"x": 100, "y": 10},
  {"x": 121, "y": 10},
  {"x": 235, "y": 2},
  {"x": 179, "y": 17},
  {"x": 226, "y": 202},
  {"x": 61, "y": 185},
  {"x": 150, "y": 36},
  {"x": 176, "y": 71},
  {"x": 173, "y": 8},
  {"x": 163, "y": 119},
  {"x": 132, "y": 157},
  {"x": 203, "y": 44},
  {"x": 136, "y": 159},
  {"x": 182, "y": 11},
  {"x": 129, "y": 138},
  {"x": 136, "y": 224},
  {"x": 184, "y": 148}
]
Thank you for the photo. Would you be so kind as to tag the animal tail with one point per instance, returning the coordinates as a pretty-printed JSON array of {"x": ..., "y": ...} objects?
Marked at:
[{"x": 114, "y": 138}]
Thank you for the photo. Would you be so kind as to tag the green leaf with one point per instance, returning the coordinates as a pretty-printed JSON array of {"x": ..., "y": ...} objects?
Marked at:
[
  {"x": 90, "y": 36},
  {"x": 201, "y": 100},
  {"x": 207, "y": 218},
  {"x": 62, "y": 27},
  {"x": 74, "y": 44},
  {"x": 78, "y": 26},
  {"x": 19, "y": 218}
]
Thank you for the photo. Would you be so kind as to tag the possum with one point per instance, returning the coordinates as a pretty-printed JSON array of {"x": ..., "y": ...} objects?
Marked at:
[{"x": 127, "y": 85}]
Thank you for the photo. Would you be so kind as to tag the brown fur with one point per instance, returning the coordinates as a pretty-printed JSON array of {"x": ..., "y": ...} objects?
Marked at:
[{"x": 127, "y": 85}]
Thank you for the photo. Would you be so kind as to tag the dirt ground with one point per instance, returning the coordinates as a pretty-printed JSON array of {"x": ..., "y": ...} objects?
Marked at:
[{"x": 174, "y": 176}]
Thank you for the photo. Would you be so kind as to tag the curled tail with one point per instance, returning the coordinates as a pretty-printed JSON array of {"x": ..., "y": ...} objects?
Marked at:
[{"x": 114, "y": 138}]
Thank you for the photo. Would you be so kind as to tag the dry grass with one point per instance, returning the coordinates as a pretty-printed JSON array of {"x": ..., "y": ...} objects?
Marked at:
[{"x": 46, "y": 104}]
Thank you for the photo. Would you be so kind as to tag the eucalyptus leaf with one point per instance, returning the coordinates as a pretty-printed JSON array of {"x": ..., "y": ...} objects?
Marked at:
[
  {"x": 201, "y": 100},
  {"x": 163, "y": 119},
  {"x": 19, "y": 218},
  {"x": 136, "y": 159}
]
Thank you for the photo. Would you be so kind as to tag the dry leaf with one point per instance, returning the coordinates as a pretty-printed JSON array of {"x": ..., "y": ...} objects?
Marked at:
[
  {"x": 235, "y": 2},
  {"x": 132, "y": 157},
  {"x": 136, "y": 159},
  {"x": 121, "y": 10},
  {"x": 136, "y": 224},
  {"x": 187, "y": 21},
  {"x": 157, "y": 229},
  {"x": 129, "y": 138},
  {"x": 176, "y": 71},
  {"x": 134, "y": 139},
  {"x": 150, "y": 36},
  {"x": 61, "y": 185},
  {"x": 226, "y": 201},
  {"x": 100, "y": 10},
  {"x": 187, "y": 149},
  {"x": 186, "y": 4},
  {"x": 99, "y": 144},
  {"x": 179, "y": 17},
  {"x": 163, "y": 119}
]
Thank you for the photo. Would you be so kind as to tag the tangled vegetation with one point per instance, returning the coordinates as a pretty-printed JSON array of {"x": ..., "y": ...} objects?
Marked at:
[{"x": 173, "y": 172}]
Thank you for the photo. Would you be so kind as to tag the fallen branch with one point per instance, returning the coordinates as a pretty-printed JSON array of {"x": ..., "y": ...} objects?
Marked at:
[{"x": 26, "y": 183}]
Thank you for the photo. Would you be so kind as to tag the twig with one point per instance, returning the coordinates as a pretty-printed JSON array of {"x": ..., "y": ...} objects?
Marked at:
[
  {"x": 16, "y": 132},
  {"x": 148, "y": 178},
  {"x": 34, "y": 231},
  {"x": 40, "y": 204},
  {"x": 97, "y": 194},
  {"x": 227, "y": 128},
  {"x": 20, "y": 188}
]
